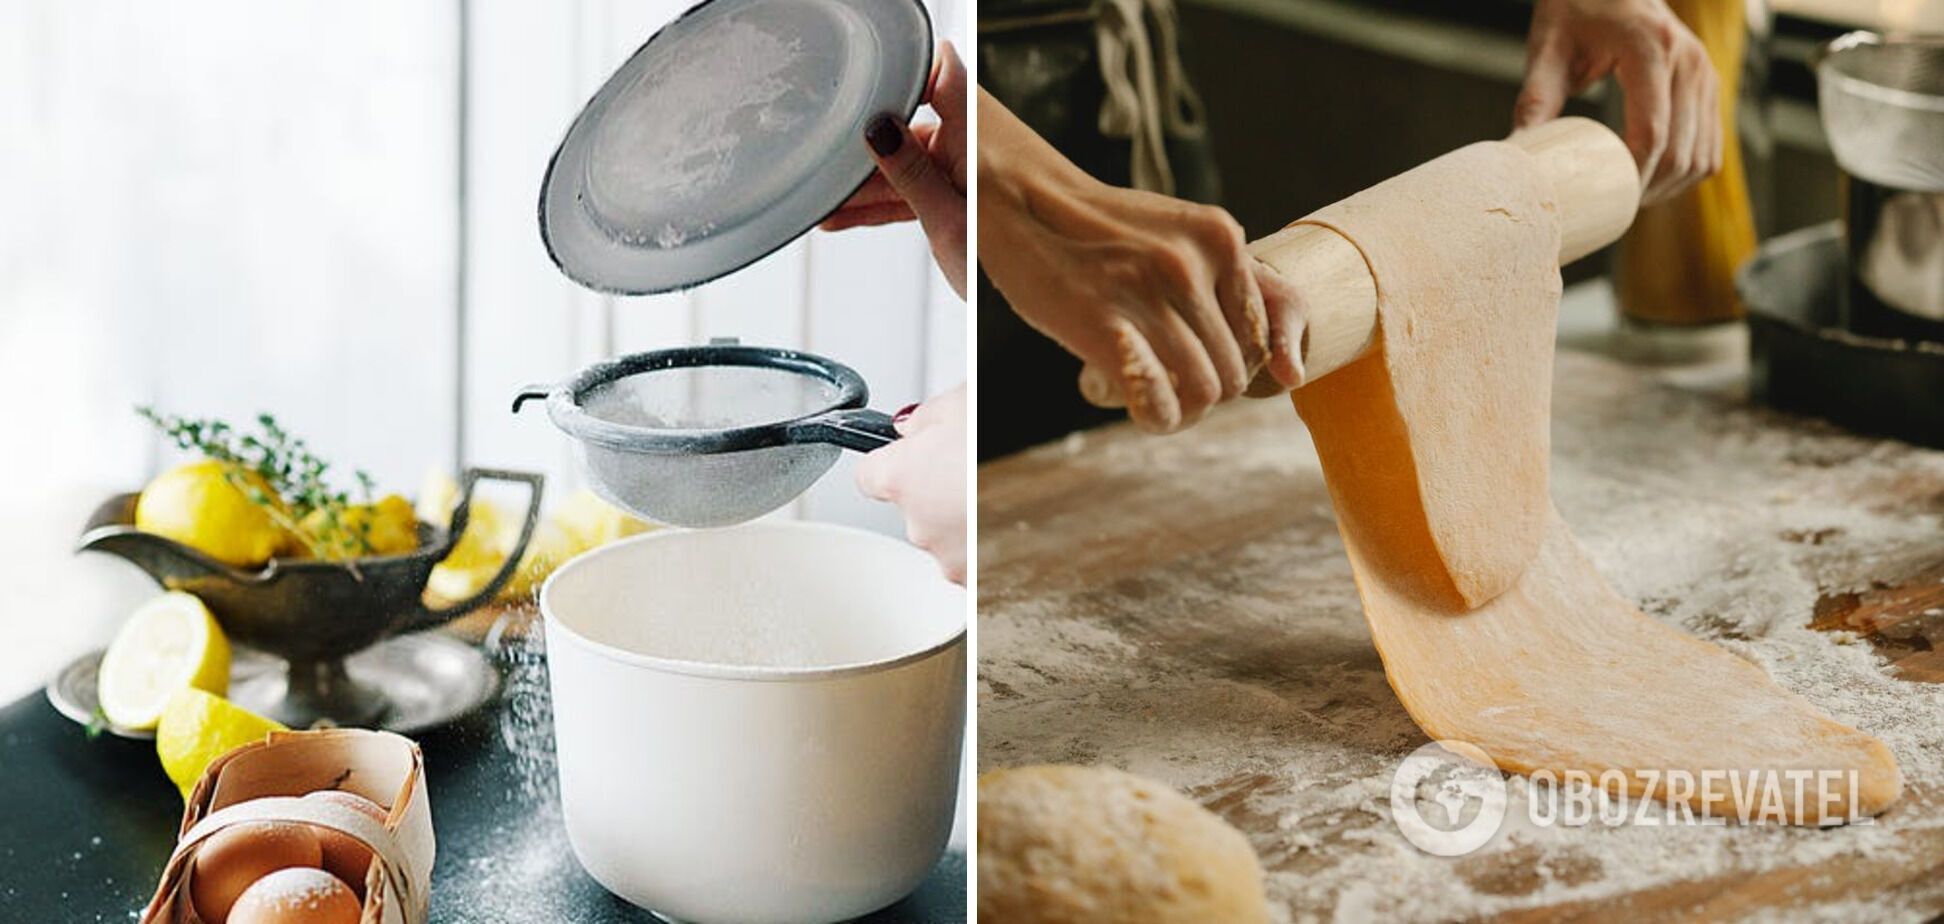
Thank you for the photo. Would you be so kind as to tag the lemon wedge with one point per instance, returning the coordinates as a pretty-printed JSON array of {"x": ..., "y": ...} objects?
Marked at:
[
  {"x": 197, "y": 727},
  {"x": 459, "y": 577},
  {"x": 581, "y": 522},
  {"x": 595, "y": 522},
  {"x": 171, "y": 642},
  {"x": 551, "y": 546},
  {"x": 437, "y": 496},
  {"x": 476, "y": 557}
]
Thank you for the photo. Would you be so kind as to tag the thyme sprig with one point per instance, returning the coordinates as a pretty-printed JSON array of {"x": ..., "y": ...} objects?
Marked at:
[
  {"x": 97, "y": 723},
  {"x": 295, "y": 479}
]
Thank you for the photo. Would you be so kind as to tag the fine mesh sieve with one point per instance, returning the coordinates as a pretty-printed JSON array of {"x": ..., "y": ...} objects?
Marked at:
[
  {"x": 1882, "y": 102},
  {"x": 711, "y": 435}
]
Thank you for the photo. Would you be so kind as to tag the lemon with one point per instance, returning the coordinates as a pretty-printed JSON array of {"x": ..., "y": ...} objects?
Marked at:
[
  {"x": 486, "y": 538},
  {"x": 197, "y": 505},
  {"x": 393, "y": 525},
  {"x": 476, "y": 557},
  {"x": 450, "y": 583},
  {"x": 581, "y": 522},
  {"x": 171, "y": 642},
  {"x": 595, "y": 522},
  {"x": 438, "y": 494},
  {"x": 389, "y": 527},
  {"x": 459, "y": 577},
  {"x": 482, "y": 541},
  {"x": 197, "y": 727},
  {"x": 550, "y": 547}
]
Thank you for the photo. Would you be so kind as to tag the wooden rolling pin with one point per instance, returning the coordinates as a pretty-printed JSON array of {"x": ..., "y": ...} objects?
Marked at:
[{"x": 1594, "y": 183}]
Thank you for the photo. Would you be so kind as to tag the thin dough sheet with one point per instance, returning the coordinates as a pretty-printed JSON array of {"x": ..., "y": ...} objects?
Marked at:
[
  {"x": 1440, "y": 489},
  {"x": 1472, "y": 233}
]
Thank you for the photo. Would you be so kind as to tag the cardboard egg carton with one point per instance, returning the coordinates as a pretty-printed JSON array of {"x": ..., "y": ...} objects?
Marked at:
[{"x": 266, "y": 780}]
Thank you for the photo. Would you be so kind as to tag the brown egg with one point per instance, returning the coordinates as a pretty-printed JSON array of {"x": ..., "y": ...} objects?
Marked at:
[
  {"x": 233, "y": 858},
  {"x": 345, "y": 856},
  {"x": 297, "y": 896}
]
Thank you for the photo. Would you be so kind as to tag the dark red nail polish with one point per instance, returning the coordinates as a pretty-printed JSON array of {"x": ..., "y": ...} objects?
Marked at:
[
  {"x": 904, "y": 413},
  {"x": 883, "y": 136}
]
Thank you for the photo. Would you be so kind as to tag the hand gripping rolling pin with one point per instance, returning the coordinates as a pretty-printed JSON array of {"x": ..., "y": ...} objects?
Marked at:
[{"x": 1595, "y": 184}]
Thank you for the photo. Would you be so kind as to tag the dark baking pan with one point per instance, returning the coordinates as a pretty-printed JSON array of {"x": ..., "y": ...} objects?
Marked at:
[{"x": 1801, "y": 361}]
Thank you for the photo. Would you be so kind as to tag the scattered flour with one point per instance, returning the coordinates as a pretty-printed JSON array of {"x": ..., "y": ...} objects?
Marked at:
[
  {"x": 519, "y": 877},
  {"x": 1243, "y": 672}
]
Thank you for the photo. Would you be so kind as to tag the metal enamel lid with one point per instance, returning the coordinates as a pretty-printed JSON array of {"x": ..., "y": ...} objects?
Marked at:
[{"x": 731, "y": 132}]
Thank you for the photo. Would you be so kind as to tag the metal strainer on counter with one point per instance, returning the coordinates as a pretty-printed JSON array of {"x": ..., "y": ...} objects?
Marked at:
[{"x": 711, "y": 435}]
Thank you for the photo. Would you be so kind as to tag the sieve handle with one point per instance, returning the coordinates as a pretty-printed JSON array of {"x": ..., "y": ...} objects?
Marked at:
[
  {"x": 532, "y": 393},
  {"x": 861, "y": 429}
]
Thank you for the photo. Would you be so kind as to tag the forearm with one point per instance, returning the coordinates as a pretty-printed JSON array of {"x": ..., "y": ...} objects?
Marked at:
[
  {"x": 1025, "y": 187},
  {"x": 1158, "y": 291},
  {"x": 1015, "y": 165}
]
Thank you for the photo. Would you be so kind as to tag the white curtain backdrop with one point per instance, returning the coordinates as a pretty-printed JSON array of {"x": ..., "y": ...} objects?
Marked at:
[{"x": 226, "y": 206}]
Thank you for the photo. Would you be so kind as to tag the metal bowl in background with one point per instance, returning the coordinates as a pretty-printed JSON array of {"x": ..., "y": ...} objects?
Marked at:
[
  {"x": 1882, "y": 103},
  {"x": 314, "y": 614},
  {"x": 1802, "y": 360}
]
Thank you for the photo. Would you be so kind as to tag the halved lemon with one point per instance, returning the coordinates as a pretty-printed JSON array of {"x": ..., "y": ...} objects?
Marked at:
[{"x": 170, "y": 643}]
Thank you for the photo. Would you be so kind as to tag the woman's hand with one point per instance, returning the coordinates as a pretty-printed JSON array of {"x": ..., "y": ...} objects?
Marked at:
[
  {"x": 1673, "y": 115},
  {"x": 924, "y": 474},
  {"x": 921, "y": 172},
  {"x": 1159, "y": 292}
]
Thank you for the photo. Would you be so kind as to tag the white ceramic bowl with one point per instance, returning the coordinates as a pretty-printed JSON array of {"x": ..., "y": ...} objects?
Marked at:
[{"x": 760, "y": 724}]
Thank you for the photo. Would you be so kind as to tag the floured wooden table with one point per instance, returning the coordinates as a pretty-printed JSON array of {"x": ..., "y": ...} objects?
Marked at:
[{"x": 1181, "y": 607}]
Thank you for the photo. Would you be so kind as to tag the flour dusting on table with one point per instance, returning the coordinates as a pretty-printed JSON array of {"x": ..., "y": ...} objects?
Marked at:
[
  {"x": 517, "y": 880},
  {"x": 1243, "y": 673}
]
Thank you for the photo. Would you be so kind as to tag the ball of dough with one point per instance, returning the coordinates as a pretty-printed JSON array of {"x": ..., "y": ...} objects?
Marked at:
[{"x": 1066, "y": 845}]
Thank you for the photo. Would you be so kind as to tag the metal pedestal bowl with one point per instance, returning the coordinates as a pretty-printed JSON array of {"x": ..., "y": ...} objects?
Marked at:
[{"x": 314, "y": 614}]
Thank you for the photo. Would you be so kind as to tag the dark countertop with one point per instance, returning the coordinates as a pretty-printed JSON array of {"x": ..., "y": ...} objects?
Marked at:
[{"x": 86, "y": 826}]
